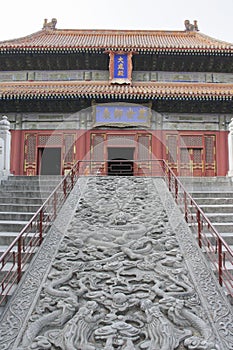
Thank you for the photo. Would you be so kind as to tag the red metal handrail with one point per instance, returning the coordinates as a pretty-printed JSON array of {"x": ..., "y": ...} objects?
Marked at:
[
  {"x": 14, "y": 260},
  {"x": 209, "y": 240},
  {"x": 31, "y": 236}
]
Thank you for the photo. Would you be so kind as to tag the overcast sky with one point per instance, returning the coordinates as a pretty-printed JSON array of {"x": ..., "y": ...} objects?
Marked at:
[{"x": 19, "y": 18}]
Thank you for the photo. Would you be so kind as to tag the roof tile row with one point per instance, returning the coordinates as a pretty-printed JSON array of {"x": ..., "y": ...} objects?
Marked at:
[
  {"x": 155, "y": 90},
  {"x": 116, "y": 40}
]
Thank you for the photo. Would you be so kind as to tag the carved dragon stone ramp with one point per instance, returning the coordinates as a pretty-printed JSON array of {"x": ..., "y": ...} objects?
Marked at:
[{"x": 123, "y": 273}]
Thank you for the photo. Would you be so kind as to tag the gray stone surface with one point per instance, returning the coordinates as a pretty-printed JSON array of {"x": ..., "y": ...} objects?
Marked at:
[{"x": 124, "y": 273}]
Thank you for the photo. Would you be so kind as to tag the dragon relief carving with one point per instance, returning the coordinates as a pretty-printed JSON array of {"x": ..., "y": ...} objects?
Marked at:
[{"x": 119, "y": 280}]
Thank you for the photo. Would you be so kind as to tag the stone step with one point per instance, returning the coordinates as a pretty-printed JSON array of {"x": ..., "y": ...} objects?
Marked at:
[
  {"x": 16, "y": 216},
  {"x": 229, "y": 267},
  {"x": 224, "y": 218},
  {"x": 211, "y": 239},
  {"x": 228, "y": 237},
  {"x": 28, "y": 184},
  {"x": 207, "y": 183},
  {"x": 8, "y": 267},
  {"x": 6, "y": 238},
  {"x": 24, "y": 193},
  {"x": 31, "y": 179},
  {"x": 220, "y": 217},
  {"x": 231, "y": 247},
  {"x": 214, "y": 201},
  {"x": 223, "y": 227},
  {"x": 3, "y": 248},
  {"x": 207, "y": 188},
  {"x": 7, "y": 296},
  {"x": 21, "y": 200},
  {"x": 24, "y": 207},
  {"x": 18, "y": 178},
  {"x": 27, "y": 194},
  {"x": 25, "y": 187},
  {"x": 225, "y": 230},
  {"x": 206, "y": 180},
  {"x": 211, "y": 194},
  {"x": 214, "y": 208},
  {"x": 12, "y": 225}
]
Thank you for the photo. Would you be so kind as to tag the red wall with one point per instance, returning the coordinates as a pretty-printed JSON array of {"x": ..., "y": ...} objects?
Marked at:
[{"x": 83, "y": 145}]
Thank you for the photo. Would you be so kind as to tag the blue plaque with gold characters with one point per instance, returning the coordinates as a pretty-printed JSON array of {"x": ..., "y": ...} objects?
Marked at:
[
  {"x": 122, "y": 115},
  {"x": 120, "y": 66}
]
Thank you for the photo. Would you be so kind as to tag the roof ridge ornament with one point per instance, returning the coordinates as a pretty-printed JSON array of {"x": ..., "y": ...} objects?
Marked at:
[
  {"x": 191, "y": 27},
  {"x": 51, "y": 24}
]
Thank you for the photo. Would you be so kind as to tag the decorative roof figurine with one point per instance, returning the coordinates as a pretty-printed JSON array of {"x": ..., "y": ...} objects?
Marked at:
[
  {"x": 50, "y": 25},
  {"x": 191, "y": 27}
]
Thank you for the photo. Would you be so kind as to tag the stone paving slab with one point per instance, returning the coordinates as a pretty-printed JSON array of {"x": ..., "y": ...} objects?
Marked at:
[{"x": 121, "y": 270}]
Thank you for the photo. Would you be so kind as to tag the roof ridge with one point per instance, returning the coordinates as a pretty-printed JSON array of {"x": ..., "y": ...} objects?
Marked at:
[{"x": 95, "y": 39}]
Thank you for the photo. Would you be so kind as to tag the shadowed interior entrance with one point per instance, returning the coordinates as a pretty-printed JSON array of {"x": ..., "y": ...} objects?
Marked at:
[
  {"x": 50, "y": 161},
  {"x": 120, "y": 161}
]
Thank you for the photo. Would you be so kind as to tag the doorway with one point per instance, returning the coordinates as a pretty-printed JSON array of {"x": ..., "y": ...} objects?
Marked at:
[
  {"x": 49, "y": 161},
  {"x": 120, "y": 161}
]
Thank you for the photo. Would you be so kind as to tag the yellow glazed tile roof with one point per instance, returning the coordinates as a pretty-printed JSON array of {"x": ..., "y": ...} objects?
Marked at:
[
  {"x": 65, "y": 40},
  {"x": 153, "y": 90}
]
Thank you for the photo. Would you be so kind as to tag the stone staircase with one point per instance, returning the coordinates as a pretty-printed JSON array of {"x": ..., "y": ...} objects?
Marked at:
[
  {"x": 132, "y": 264},
  {"x": 20, "y": 198},
  {"x": 215, "y": 197}
]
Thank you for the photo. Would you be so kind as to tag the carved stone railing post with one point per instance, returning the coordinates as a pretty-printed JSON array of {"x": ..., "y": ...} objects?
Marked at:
[
  {"x": 5, "y": 147},
  {"x": 230, "y": 148}
]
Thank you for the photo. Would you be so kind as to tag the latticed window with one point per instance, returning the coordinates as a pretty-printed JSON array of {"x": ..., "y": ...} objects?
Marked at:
[
  {"x": 30, "y": 149},
  {"x": 50, "y": 140},
  {"x": 197, "y": 155},
  {"x": 143, "y": 147},
  {"x": 97, "y": 146},
  {"x": 209, "y": 149},
  {"x": 190, "y": 141},
  {"x": 120, "y": 140},
  {"x": 184, "y": 155},
  {"x": 172, "y": 148},
  {"x": 69, "y": 148}
]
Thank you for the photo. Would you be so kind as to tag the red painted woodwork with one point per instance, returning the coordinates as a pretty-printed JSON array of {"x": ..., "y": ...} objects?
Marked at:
[{"x": 189, "y": 153}]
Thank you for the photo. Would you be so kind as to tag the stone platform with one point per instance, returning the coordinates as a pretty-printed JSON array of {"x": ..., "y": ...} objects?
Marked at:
[{"x": 119, "y": 269}]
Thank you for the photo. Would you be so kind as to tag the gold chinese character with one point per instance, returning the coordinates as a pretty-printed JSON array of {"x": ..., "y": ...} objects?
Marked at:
[
  {"x": 118, "y": 113},
  {"x": 120, "y": 73},
  {"x": 130, "y": 113},
  {"x": 120, "y": 66},
  {"x": 142, "y": 115},
  {"x": 120, "y": 59},
  {"x": 106, "y": 114}
]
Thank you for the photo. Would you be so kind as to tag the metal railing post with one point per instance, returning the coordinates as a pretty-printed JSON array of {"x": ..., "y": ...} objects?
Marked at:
[
  {"x": 176, "y": 190},
  {"x": 185, "y": 207},
  {"x": 19, "y": 259},
  {"x": 55, "y": 205},
  {"x": 41, "y": 227},
  {"x": 220, "y": 261},
  {"x": 169, "y": 180},
  {"x": 72, "y": 178},
  {"x": 199, "y": 228}
]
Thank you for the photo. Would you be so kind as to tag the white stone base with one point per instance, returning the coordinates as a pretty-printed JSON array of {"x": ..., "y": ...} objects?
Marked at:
[
  {"x": 4, "y": 174},
  {"x": 230, "y": 173}
]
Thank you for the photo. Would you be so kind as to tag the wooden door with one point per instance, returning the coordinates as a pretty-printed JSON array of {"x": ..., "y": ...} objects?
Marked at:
[{"x": 191, "y": 162}]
